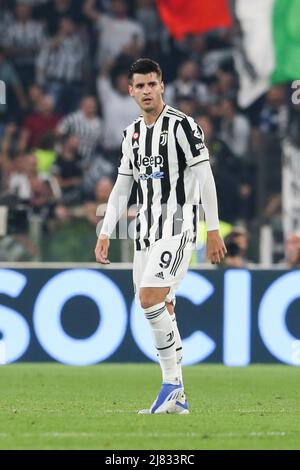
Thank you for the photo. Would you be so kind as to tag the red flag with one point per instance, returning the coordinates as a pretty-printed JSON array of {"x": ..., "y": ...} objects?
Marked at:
[{"x": 193, "y": 16}]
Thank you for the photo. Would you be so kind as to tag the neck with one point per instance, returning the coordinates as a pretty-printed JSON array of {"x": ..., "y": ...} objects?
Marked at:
[{"x": 151, "y": 116}]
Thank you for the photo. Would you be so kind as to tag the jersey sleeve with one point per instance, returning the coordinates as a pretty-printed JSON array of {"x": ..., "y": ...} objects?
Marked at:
[
  {"x": 191, "y": 139},
  {"x": 125, "y": 166}
]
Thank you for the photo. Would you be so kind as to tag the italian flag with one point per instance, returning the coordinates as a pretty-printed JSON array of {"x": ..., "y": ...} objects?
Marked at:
[
  {"x": 182, "y": 17},
  {"x": 267, "y": 48}
]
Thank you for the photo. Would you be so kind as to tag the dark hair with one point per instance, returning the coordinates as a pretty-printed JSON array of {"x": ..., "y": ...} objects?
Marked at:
[
  {"x": 144, "y": 66},
  {"x": 232, "y": 248}
]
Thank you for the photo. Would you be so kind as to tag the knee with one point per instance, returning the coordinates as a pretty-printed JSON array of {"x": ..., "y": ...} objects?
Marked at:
[{"x": 148, "y": 299}]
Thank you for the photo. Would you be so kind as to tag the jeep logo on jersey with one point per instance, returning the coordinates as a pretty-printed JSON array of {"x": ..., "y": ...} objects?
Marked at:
[{"x": 151, "y": 161}]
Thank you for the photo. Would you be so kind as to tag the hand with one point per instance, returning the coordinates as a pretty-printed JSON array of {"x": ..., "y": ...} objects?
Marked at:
[
  {"x": 101, "y": 250},
  {"x": 215, "y": 249}
]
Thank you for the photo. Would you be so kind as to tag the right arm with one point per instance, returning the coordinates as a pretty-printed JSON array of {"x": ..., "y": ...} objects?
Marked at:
[{"x": 116, "y": 206}]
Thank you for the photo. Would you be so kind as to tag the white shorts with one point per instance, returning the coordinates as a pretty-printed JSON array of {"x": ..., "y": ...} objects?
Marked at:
[{"x": 163, "y": 264}]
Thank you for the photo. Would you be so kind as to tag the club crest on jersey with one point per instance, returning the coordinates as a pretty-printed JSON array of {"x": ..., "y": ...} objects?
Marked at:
[{"x": 163, "y": 138}]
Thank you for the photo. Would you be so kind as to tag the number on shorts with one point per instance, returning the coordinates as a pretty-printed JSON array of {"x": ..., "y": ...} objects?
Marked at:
[{"x": 165, "y": 259}]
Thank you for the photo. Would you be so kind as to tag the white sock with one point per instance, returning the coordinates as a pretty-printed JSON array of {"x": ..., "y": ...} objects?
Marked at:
[
  {"x": 178, "y": 345},
  {"x": 164, "y": 341}
]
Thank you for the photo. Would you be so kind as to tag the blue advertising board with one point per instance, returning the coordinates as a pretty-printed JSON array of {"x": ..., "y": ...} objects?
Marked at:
[{"x": 86, "y": 316}]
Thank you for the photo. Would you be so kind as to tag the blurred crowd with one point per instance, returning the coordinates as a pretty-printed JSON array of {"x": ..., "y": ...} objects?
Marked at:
[{"x": 65, "y": 64}]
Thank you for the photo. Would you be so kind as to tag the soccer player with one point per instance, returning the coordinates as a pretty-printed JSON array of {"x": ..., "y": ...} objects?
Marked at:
[{"x": 164, "y": 152}]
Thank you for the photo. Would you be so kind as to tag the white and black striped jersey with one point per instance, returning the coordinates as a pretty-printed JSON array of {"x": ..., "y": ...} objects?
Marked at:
[
  {"x": 89, "y": 132},
  {"x": 160, "y": 159},
  {"x": 64, "y": 62},
  {"x": 27, "y": 38}
]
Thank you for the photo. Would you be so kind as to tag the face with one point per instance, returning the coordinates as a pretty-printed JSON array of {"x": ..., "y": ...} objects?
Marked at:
[
  {"x": 292, "y": 247},
  {"x": 227, "y": 109},
  {"x": 72, "y": 143},
  {"x": 35, "y": 93},
  {"x": 46, "y": 105},
  {"x": 23, "y": 11},
  {"x": 242, "y": 241},
  {"x": 147, "y": 91},
  {"x": 276, "y": 96},
  {"x": 31, "y": 163},
  {"x": 89, "y": 106},
  {"x": 119, "y": 8},
  {"x": 188, "y": 71},
  {"x": 19, "y": 164},
  {"x": 66, "y": 27},
  {"x": 122, "y": 84}
]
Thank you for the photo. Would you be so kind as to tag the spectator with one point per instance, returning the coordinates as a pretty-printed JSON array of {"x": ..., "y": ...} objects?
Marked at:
[
  {"x": 274, "y": 115},
  {"x": 24, "y": 38},
  {"x": 226, "y": 171},
  {"x": 39, "y": 191},
  {"x": 240, "y": 236},
  {"x": 35, "y": 96},
  {"x": 194, "y": 46},
  {"x": 292, "y": 251},
  {"x": 52, "y": 12},
  {"x": 227, "y": 83},
  {"x": 233, "y": 257},
  {"x": 293, "y": 130},
  {"x": 187, "y": 85},
  {"x": 62, "y": 67},
  {"x": 187, "y": 105},
  {"x": 116, "y": 31},
  {"x": 99, "y": 169},
  {"x": 5, "y": 151},
  {"x": 146, "y": 15},
  {"x": 235, "y": 129},
  {"x": 15, "y": 95},
  {"x": 102, "y": 191},
  {"x": 237, "y": 245},
  {"x": 38, "y": 124},
  {"x": 46, "y": 153},
  {"x": 118, "y": 109},
  {"x": 6, "y": 20},
  {"x": 68, "y": 171},
  {"x": 86, "y": 125}
]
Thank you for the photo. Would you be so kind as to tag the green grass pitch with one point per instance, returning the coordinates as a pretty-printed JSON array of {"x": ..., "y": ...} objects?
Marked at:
[{"x": 51, "y": 406}]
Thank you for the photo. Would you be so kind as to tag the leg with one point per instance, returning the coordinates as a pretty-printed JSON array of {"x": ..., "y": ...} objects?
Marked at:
[
  {"x": 153, "y": 303},
  {"x": 178, "y": 342},
  {"x": 157, "y": 278},
  {"x": 150, "y": 296}
]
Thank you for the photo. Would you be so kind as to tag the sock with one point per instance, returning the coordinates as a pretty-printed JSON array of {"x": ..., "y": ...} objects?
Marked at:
[
  {"x": 164, "y": 340},
  {"x": 178, "y": 345}
]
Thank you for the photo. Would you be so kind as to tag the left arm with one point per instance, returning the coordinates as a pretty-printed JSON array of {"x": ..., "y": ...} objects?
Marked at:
[
  {"x": 191, "y": 139},
  {"x": 216, "y": 249}
]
